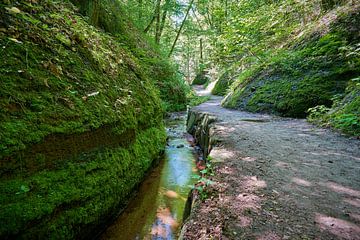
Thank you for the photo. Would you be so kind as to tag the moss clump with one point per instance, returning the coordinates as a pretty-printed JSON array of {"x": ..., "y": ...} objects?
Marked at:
[
  {"x": 224, "y": 82},
  {"x": 111, "y": 17},
  {"x": 344, "y": 114},
  {"x": 48, "y": 87},
  {"x": 201, "y": 78},
  {"x": 80, "y": 120},
  {"x": 73, "y": 200},
  {"x": 312, "y": 71}
]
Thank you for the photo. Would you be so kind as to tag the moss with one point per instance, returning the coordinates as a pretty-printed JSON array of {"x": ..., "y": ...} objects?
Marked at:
[
  {"x": 293, "y": 80},
  {"x": 80, "y": 121},
  {"x": 110, "y": 16},
  {"x": 55, "y": 88},
  {"x": 62, "y": 203},
  {"x": 223, "y": 84},
  {"x": 200, "y": 79},
  {"x": 344, "y": 113}
]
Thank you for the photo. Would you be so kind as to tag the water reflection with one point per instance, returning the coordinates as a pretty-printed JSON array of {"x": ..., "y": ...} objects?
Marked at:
[{"x": 157, "y": 211}]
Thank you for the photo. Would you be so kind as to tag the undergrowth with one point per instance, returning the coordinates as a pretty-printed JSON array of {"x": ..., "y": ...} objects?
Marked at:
[{"x": 344, "y": 114}]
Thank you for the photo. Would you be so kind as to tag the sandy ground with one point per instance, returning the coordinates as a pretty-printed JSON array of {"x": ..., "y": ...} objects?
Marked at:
[{"x": 278, "y": 178}]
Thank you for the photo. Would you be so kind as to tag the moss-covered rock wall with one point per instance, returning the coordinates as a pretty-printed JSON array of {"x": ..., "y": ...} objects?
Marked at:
[
  {"x": 80, "y": 120},
  {"x": 224, "y": 81},
  {"x": 109, "y": 16},
  {"x": 310, "y": 72}
]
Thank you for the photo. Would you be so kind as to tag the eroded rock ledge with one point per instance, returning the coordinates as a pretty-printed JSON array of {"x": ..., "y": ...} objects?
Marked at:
[{"x": 199, "y": 124}]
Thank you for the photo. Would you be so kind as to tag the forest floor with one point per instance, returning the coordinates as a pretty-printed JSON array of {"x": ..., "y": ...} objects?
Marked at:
[{"x": 277, "y": 178}]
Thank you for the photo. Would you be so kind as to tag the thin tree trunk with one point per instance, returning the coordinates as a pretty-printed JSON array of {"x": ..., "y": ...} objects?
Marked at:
[
  {"x": 150, "y": 24},
  {"x": 188, "y": 60},
  {"x": 226, "y": 10},
  {"x": 140, "y": 6},
  {"x": 148, "y": 27},
  {"x": 157, "y": 28},
  {"x": 201, "y": 51},
  {"x": 163, "y": 19},
  {"x": 181, "y": 27}
]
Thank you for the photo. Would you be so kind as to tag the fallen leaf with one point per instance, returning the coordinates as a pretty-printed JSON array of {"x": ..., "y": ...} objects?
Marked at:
[
  {"x": 46, "y": 83},
  {"x": 171, "y": 194},
  {"x": 15, "y": 40},
  {"x": 13, "y": 10},
  {"x": 92, "y": 94}
]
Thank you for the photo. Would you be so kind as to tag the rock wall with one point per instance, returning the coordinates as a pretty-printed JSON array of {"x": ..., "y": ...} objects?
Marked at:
[
  {"x": 199, "y": 125},
  {"x": 313, "y": 69},
  {"x": 81, "y": 121}
]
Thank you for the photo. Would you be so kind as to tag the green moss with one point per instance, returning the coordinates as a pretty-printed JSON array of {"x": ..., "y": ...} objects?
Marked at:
[
  {"x": 110, "y": 16},
  {"x": 290, "y": 81},
  {"x": 56, "y": 88},
  {"x": 223, "y": 84},
  {"x": 344, "y": 113},
  {"x": 62, "y": 203},
  {"x": 80, "y": 120}
]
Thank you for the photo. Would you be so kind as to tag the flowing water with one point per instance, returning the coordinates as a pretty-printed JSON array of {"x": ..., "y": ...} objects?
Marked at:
[{"x": 157, "y": 210}]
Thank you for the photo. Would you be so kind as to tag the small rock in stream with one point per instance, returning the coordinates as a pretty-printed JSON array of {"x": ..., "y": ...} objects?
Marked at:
[{"x": 180, "y": 146}]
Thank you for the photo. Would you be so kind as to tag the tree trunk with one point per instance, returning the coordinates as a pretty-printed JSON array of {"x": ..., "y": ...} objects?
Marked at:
[
  {"x": 157, "y": 28},
  {"x": 226, "y": 10},
  {"x": 140, "y": 6},
  {"x": 163, "y": 19},
  {"x": 201, "y": 51},
  {"x": 188, "y": 77},
  {"x": 181, "y": 27},
  {"x": 150, "y": 24}
]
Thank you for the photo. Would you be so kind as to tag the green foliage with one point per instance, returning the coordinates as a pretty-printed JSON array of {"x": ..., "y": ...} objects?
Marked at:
[
  {"x": 344, "y": 114},
  {"x": 204, "y": 184},
  {"x": 224, "y": 82},
  {"x": 111, "y": 17},
  {"x": 285, "y": 56},
  {"x": 347, "y": 121},
  {"x": 197, "y": 100},
  {"x": 201, "y": 77},
  {"x": 317, "y": 112},
  {"x": 309, "y": 72}
]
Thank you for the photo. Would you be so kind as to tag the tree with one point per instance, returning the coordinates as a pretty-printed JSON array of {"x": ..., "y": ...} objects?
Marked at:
[{"x": 181, "y": 27}]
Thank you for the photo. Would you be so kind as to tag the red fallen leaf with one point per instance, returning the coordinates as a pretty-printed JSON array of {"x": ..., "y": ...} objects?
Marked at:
[
  {"x": 200, "y": 166},
  {"x": 202, "y": 183}
]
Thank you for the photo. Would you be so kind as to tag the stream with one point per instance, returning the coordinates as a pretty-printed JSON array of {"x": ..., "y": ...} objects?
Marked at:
[{"x": 157, "y": 210}]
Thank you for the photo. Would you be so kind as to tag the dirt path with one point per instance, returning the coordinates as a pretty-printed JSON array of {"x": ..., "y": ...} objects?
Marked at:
[{"x": 278, "y": 178}]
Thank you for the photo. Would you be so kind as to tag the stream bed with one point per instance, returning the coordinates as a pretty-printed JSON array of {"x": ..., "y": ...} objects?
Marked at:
[{"x": 157, "y": 210}]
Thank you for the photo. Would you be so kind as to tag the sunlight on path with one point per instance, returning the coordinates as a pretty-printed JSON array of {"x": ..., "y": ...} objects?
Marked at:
[{"x": 277, "y": 178}]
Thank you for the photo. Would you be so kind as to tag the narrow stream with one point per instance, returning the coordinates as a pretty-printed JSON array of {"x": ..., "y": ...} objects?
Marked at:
[{"x": 157, "y": 210}]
